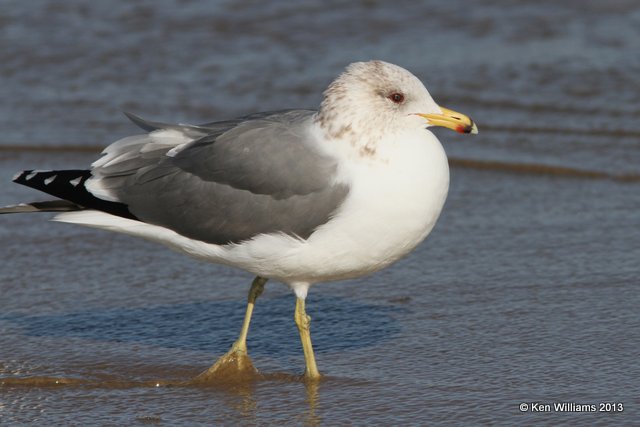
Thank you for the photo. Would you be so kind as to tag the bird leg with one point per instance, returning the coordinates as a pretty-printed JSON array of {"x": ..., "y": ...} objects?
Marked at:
[
  {"x": 236, "y": 359},
  {"x": 303, "y": 321},
  {"x": 257, "y": 287}
]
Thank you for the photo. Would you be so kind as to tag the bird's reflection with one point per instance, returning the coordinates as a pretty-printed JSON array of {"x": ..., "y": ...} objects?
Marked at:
[
  {"x": 240, "y": 393},
  {"x": 312, "y": 389}
]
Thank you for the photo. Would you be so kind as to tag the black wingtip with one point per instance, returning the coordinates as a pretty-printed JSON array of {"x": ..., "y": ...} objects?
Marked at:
[
  {"x": 20, "y": 176},
  {"x": 70, "y": 185}
]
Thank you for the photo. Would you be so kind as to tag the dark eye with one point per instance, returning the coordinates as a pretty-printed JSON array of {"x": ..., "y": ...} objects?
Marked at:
[{"x": 396, "y": 98}]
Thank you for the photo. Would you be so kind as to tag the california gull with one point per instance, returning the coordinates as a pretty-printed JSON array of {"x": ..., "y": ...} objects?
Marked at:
[{"x": 297, "y": 196}]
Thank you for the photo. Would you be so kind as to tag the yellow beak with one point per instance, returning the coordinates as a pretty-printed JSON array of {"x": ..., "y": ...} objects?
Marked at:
[{"x": 452, "y": 120}]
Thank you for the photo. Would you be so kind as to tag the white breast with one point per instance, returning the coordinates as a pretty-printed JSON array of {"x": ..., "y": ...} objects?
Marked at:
[{"x": 393, "y": 204}]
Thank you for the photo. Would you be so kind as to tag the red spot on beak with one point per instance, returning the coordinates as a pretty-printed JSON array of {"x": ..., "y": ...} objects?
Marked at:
[{"x": 466, "y": 128}]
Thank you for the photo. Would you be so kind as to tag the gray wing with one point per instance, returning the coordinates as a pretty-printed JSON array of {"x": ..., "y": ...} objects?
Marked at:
[{"x": 223, "y": 182}]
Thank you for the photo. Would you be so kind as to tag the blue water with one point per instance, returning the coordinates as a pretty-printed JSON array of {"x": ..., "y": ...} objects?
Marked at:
[{"x": 526, "y": 291}]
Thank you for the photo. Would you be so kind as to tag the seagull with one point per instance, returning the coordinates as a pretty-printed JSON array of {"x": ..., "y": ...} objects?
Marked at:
[{"x": 297, "y": 196}]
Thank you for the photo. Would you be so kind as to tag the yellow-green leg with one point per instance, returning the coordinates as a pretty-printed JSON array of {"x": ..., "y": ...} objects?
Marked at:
[
  {"x": 303, "y": 321},
  {"x": 257, "y": 287},
  {"x": 237, "y": 360}
]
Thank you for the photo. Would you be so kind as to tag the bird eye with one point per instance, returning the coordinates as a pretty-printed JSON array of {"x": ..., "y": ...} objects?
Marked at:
[{"x": 396, "y": 98}]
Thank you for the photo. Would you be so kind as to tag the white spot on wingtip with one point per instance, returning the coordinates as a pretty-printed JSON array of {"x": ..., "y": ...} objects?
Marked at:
[
  {"x": 30, "y": 174},
  {"x": 75, "y": 181},
  {"x": 50, "y": 179}
]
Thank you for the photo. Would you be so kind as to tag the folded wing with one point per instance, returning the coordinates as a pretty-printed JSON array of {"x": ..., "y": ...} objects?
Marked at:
[{"x": 223, "y": 182}]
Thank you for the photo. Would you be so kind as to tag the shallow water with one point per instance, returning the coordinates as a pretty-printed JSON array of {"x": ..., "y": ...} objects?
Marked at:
[{"x": 526, "y": 291}]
